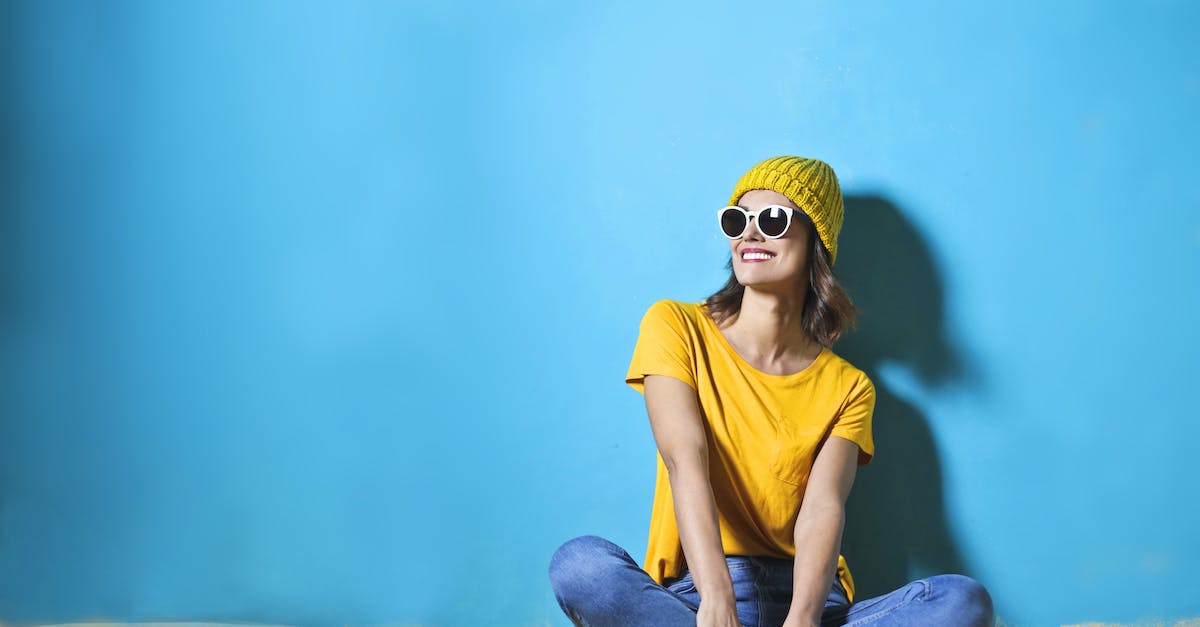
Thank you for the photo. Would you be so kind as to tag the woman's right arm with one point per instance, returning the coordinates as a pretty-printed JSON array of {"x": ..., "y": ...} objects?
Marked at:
[{"x": 678, "y": 428}]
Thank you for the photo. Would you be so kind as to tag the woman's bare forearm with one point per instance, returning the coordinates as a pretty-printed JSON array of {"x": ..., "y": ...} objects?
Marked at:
[
  {"x": 678, "y": 425},
  {"x": 818, "y": 537},
  {"x": 699, "y": 529}
]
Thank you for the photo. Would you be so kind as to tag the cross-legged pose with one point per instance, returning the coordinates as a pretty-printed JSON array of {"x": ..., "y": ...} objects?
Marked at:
[{"x": 760, "y": 428}]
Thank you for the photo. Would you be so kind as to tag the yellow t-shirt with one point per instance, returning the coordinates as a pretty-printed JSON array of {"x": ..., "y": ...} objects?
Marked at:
[{"x": 763, "y": 433}]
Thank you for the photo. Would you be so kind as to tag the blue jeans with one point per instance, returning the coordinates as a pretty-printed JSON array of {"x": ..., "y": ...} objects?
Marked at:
[{"x": 597, "y": 584}]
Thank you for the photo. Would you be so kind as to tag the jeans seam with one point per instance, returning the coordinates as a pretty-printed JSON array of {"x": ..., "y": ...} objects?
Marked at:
[
  {"x": 760, "y": 582},
  {"x": 921, "y": 596},
  {"x": 576, "y": 619}
]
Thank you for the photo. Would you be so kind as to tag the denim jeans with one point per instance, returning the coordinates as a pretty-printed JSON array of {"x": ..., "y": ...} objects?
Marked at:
[{"x": 598, "y": 584}]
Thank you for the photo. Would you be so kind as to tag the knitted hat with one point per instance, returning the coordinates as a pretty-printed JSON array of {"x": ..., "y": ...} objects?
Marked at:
[{"x": 809, "y": 183}]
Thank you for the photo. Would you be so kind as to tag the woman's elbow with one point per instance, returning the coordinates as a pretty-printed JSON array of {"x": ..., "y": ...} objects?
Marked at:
[{"x": 688, "y": 460}]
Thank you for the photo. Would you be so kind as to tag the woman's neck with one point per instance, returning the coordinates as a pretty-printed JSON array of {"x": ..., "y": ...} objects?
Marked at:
[{"x": 768, "y": 331}]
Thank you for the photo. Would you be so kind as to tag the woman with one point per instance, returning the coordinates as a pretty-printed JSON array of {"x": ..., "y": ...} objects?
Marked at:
[{"x": 760, "y": 428}]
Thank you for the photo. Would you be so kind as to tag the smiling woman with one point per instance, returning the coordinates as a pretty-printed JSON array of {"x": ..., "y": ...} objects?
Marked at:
[{"x": 760, "y": 428}]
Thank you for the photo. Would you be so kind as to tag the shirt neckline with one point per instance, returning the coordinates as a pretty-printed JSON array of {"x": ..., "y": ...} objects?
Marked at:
[{"x": 799, "y": 374}]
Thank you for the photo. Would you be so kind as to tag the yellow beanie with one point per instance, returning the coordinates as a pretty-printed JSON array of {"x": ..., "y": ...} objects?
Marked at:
[{"x": 809, "y": 183}]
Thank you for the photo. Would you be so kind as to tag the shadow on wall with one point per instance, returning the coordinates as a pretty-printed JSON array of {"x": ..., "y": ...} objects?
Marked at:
[
  {"x": 895, "y": 518},
  {"x": 11, "y": 173}
]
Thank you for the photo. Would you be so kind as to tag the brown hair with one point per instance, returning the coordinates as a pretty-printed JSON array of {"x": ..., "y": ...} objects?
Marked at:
[{"x": 827, "y": 307}]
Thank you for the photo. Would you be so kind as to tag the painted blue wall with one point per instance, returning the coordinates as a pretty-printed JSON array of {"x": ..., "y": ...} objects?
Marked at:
[{"x": 318, "y": 314}]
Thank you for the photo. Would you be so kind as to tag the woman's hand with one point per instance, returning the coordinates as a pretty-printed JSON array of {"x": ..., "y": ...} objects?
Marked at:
[{"x": 717, "y": 614}]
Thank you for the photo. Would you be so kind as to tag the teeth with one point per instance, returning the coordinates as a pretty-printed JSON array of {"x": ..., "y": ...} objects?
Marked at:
[{"x": 756, "y": 256}]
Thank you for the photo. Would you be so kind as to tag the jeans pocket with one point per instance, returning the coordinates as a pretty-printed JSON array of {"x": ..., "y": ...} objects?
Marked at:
[
  {"x": 683, "y": 585},
  {"x": 737, "y": 563},
  {"x": 742, "y": 571}
]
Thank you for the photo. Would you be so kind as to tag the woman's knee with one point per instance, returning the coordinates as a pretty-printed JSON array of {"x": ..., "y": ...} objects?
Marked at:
[
  {"x": 579, "y": 563},
  {"x": 967, "y": 598}
]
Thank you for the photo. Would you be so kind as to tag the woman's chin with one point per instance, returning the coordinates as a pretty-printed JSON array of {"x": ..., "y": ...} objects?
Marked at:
[{"x": 763, "y": 284}]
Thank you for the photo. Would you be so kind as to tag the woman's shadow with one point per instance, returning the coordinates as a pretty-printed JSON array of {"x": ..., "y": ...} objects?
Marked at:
[{"x": 896, "y": 527}]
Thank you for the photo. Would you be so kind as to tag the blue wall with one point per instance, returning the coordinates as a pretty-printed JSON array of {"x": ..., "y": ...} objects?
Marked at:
[{"x": 318, "y": 314}]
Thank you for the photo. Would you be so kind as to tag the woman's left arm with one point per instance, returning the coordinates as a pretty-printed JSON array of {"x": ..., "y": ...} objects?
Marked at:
[{"x": 818, "y": 533}]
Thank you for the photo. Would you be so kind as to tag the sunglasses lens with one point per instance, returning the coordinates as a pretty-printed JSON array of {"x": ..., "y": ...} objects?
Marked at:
[
  {"x": 733, "y": 222},
  {"x": 772, "y": 221}
]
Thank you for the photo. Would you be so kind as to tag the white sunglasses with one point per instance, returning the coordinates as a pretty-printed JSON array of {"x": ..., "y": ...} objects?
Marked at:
[{"x": 773, "y": 220}]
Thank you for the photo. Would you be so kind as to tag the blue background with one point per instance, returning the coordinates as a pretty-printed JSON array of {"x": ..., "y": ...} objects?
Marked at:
[{"x": 319, "y": 313}]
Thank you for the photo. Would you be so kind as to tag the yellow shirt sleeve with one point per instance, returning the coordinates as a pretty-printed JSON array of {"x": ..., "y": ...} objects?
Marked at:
[
  {"x": 664, "y": 347},
  {"x": 854, "y": 421}
]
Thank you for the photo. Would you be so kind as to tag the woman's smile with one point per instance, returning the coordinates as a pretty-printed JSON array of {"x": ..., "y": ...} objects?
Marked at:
[{"x": 755, "y": 255}]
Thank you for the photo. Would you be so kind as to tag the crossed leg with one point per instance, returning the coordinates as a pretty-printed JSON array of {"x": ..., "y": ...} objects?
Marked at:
[{"x": 597, "y": 583}]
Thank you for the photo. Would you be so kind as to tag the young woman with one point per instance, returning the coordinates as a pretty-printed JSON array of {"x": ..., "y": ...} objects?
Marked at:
[{"x": 760, "y": 428}]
